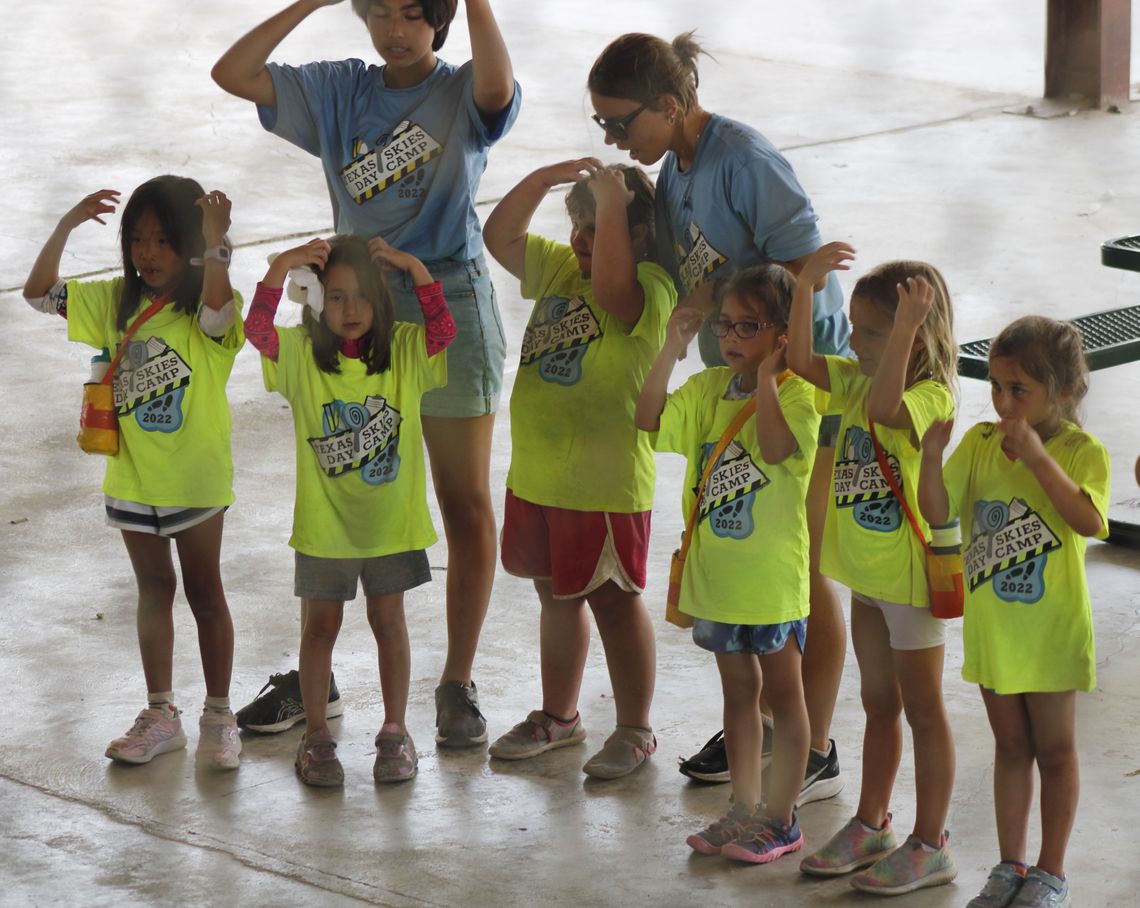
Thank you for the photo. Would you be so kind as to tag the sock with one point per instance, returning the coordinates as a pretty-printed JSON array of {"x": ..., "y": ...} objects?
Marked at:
[
  {"x": 867, "y": 828},
  {"x": 822, "y": 753},
  {"x": 217, "y": 705},
  {"x": 930, "y": 849},
  {"x": 159, "y": 698}
]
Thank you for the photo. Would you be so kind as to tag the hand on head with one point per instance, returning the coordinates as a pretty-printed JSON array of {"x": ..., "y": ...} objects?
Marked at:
[
  {"x": 314, "y": 253},
  {"x": 916, "y": 297},
  {"x": 389, "y": 258},
  {"x": 608, "y": 185},
  {"x": 90, "y": 207},
  {"x": 827, "y": 258},
  {"x": 215, "y": 216},
  {"x": 571, "y": 171}
]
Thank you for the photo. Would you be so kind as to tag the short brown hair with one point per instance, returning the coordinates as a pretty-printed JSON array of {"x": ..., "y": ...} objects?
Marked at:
[
  {"x": 642, "y": 68},
  {"x": 1052, "y": 353},
  {"x": 437, "y": 13}
]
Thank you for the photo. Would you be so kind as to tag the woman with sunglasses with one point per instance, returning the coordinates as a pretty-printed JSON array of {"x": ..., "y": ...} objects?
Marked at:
[{"x": 727, "y": 199}]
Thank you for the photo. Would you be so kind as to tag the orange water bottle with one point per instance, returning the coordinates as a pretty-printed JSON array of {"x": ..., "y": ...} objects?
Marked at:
[{"x": 945, "y": 572}]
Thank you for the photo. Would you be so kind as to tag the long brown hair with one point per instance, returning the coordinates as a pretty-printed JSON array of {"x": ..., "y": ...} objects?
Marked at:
[{"x": 352, "y": 251}]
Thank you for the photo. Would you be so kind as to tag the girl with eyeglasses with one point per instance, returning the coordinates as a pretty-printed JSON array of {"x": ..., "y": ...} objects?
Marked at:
[
  {"x": 751, "y": 527},
  {"x": 726, "y": 199}
]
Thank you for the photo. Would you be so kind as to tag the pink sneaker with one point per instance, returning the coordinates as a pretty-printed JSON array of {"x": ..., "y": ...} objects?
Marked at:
[
  {"x": 396, "y": 759},
  {"x": 219, "y": 743},
  {"x": 157, "y": 730}
]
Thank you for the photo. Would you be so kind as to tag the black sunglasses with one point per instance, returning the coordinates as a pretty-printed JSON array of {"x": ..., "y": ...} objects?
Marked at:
[{"x": 618, "y": 127}]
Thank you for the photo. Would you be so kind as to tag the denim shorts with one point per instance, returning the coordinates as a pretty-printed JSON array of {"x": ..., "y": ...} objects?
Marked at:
[
  {"x": 758, "y": 639},
  {"x": 334, "y": 579},
  {"x": 475, "y": 358}
]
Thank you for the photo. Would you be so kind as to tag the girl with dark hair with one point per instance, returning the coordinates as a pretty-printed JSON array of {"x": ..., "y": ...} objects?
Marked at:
[
  {"x": 173, "y": 475},
  {"x": 354, "y": 377},
  {"x": 403, "y": 146}
]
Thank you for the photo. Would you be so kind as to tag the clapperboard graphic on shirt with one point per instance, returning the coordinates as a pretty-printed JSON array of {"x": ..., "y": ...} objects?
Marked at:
[
  {"x": 360, "y": 434},
  {"x": 700, "y": 261},
  {"x": 735, "y": 476},
  {"x": 373, "y": 170},
  {"x": 558, "y": 335},
  {"x": 150, "y": 369},
  {"x": 1005, "y": 536}
]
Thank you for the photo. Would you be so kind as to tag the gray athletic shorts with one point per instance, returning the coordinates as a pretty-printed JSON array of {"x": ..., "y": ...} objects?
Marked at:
[{"x": 334, "y": 579}]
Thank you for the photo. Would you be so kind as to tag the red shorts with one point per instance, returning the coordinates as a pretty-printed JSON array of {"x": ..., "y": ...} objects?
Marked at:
[{"x": 577, "y": 551}]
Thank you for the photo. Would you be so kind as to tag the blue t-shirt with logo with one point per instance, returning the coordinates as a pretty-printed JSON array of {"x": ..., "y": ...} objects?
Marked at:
[{"x": 404, "y": 164}]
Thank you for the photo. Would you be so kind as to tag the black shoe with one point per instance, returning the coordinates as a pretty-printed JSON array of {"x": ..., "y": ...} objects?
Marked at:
[
  {"x": 281, "y": 707},
  {"x": 822, "y": 780},
  {"x": 710, "y": 764}
]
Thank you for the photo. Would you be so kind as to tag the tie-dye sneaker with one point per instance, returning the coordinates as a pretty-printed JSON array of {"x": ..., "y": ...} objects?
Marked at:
[
  {"x": 854, "y": 847},
  {"x": 728, "y": 828},
  {"x": 1042, "y": 890},
  {"x": 1002, "y": 885},
  {"x": 908, "y": 868},
  {"x": 764, "y": 839}
]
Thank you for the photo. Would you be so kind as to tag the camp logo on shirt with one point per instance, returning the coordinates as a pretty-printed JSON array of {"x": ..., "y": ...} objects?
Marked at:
[
  {"x": 557, "y": 338},
  {"x": 360, "y": 436},
  {"x": 730, "y": 491},
  {"x": 151, "y": 382},
  {"x": 859, "y": 483},
  {"x": 699, "y": 262},
  {"x": 1009, "y": 547},
  {"x": 372, "y": 171}
]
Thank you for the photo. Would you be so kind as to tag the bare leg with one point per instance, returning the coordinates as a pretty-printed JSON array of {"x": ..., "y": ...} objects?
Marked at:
[
  {"x": 156, "y": 581},
  {"x": 920, "y": 680},
  {"x": 564, "y": 641},
  {"x": 882, "y": 703},
  {"x": 1053, "y": 719},
  {"x": 322, "y": 620},
  {"x": 631, "y": 650},
  {"x": 1013, "y": 771},
  {"x": 783, "y": 685},
  {"x": 460, "y": 454},
  {"x": 199, "y": 554},
  {"x": 389, "y": 627},
  {"x": 741, "y": 681}
]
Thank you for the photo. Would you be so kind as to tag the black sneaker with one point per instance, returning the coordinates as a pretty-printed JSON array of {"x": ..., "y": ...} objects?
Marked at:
[
  {"x": 710, "y": 763},
  {"x": 822, "y": 780},
  {"x": 281, "y": 708}
]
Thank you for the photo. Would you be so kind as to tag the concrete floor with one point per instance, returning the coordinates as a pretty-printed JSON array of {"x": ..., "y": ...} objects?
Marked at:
[{"x": 895, "y": 125}]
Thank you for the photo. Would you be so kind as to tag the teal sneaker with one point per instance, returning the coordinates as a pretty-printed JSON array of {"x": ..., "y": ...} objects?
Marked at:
[
  {"x": 1002, "y": 885},
  {"x": 852, "y": 848},
  {"x": 908, "y": 868},
  {"x": 1042, "y": 890}
]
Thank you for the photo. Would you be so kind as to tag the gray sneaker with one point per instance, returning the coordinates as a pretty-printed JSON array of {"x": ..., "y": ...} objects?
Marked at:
[
  {"x": 537, "y": 734},
  {"x": 458, "y": 721},
  {"x": 1003, "y": 884},
  {"x": 1042, "y": 890}
]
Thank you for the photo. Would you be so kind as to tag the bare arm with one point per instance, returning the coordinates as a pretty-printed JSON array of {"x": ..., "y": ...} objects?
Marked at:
[
  {"x": 933, "y": 500},
  {"x": 45, "y": 269},
  {"x": 1074, "y": 506},
  {"x": 613, "y": 272},
  {"x": 683, "y": 326},
  {"x": 241, "y": 69},
  {"x": 802, "y": 358},
  {"x": 494, "y": 78},
  {"x": 773, "y": 434},
  {"x": 885, "y": 400},
  {"x": 505, "y": 230}
]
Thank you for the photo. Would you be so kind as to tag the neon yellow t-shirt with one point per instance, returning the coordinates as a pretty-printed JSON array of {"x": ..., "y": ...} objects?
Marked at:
[
  {"x": 361, "y": 482},
  {"x": 170, "y": 395},
  {"x": 748, "y": 560},
  {"x": 868, "y": 543},
  {"x": 1028, "y": 618},
  {"x": 573, "y": 441}
]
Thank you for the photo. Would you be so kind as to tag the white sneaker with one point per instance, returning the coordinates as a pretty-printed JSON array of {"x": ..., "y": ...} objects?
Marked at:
[
  {"x": 218, "y": 740},
  {"x": 157, "y": 730}
]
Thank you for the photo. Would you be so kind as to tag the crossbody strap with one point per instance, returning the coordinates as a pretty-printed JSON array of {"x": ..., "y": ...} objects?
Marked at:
[
  {"x": 889, "y": 476},
  {"x": 129, "y": 333}
]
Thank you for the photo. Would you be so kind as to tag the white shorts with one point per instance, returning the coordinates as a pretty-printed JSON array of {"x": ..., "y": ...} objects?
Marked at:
[{"x": 909, "y": 628}]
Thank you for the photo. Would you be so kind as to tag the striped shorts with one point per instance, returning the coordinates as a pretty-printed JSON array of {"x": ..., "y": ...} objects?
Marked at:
[{"x": 145, "y": 518}]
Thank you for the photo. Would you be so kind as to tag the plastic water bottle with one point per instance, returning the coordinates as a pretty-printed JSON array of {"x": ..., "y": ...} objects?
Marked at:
[
  {"x": 100, "y": 363},
  {"x": 944, "y": 571}
]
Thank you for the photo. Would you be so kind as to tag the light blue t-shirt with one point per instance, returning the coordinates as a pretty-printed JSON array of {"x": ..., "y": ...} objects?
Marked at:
[
  {"x": 738, "y": 204},
  {"x": 400, "y": 163}
]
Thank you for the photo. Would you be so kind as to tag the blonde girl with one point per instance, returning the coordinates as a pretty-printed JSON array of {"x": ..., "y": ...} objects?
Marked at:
[
  {"x": 902, "y": 333},
  {"x": 1030, "y": 488}
]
